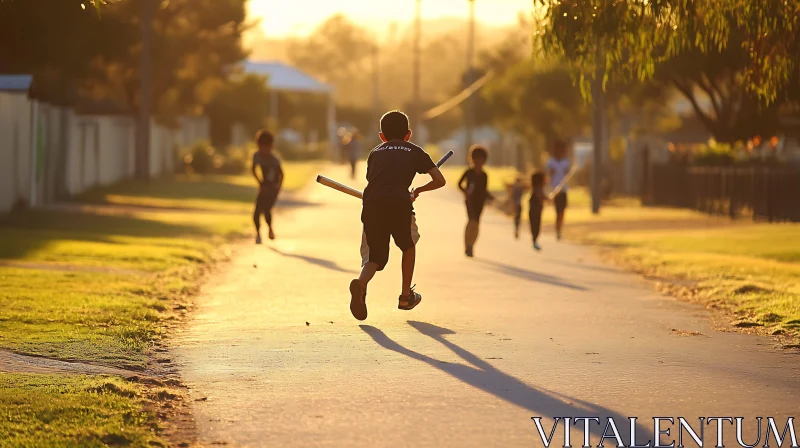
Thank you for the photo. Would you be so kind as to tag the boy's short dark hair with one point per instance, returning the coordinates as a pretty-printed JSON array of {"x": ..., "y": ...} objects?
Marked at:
[
  {"x": 264, "y": 138},
  {"x": 537, "y": 179},
  {"x": 394, "y": 125},
  {"x": 478, "y": 152}
]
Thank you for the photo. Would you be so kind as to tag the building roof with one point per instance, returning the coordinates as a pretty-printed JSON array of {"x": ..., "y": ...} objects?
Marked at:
[
  {"x": 285, "y": 77},
  {"x": 15, "y": 83}
]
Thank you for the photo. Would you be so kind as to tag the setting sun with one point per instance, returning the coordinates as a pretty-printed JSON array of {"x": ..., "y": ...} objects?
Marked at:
[{"x": 279, "y": 18}]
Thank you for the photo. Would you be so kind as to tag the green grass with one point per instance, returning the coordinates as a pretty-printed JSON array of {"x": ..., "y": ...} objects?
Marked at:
[
  {"x": 129, "y": 270},
  {"x": 751, "y": 270},
  {"x": 149, "y": 242},
  {"x": 105, "y": 318},
  {"x": 73, "y": 411},
  {"x": 208, "y": 192}
]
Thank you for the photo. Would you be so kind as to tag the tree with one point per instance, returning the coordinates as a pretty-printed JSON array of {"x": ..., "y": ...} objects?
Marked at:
[
  {"x": 537, "y": 98},
  {"x": 195, "y": 44},
  {"x": 634, "y": 35},
  {"x": 735, "y": 111},
  {"x": 56, "y": 42},
  {"x": 336, "y": 52},
  {"x": 244, "y": 100}
]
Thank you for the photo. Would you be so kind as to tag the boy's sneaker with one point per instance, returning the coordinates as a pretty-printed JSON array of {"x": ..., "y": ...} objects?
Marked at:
[
  {"x": 258, "y": 239},
  {"x": 271, "y": 234},
  {"x": 468, "y": 252},
  {"x": 407, "y": 303},
  {"x": 358, "y": 300},
  {"x": 537, "y": 246}
]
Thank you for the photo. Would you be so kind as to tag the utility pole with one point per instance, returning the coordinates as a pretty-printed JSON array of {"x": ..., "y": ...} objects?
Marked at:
[
  {"x": 376, "y": 93},
  {"x": 416, "y": 111},
  {"x": 598, "y": 119},
  {"x": 142, "y": 147},
  {"x": 470, "y": 112}
]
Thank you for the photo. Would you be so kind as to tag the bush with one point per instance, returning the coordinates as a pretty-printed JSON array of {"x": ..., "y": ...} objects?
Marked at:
[
  {"x": 204, "y": 159},
  {"x": 201, "y": 158},
  {"x": 234, "y": 161},
  {"x": 715, "y": 154}
]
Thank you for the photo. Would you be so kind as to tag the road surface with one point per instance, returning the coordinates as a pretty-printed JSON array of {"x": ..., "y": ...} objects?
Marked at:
[{"x": 275, "y": 359}]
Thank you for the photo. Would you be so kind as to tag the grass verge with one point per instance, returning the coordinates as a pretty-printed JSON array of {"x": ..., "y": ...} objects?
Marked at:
[
  {"x": 100, "y": 285},
  {"x": 749, "y": 270},
  {"x": 66, "y": 411}
]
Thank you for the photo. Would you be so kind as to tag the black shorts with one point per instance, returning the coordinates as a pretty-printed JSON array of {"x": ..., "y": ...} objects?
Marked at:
[
  {"x": 382, "y": 219},
  {"x": 266, "y": 200},
  {"x": 474, "y": 209},
  {"x": 560, "y": 201}
]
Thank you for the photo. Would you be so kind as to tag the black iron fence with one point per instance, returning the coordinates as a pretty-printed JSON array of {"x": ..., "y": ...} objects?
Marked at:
[{"x": 770, "y": 193}]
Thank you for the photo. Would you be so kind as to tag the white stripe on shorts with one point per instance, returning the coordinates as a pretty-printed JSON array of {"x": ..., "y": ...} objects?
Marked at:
[{"x": 365, "y": 247}]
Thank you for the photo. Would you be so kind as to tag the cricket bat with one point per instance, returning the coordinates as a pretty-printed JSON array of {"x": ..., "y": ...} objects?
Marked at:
[
  {"x": 337, "y": 186},
  {"x": 328, "y": 182},
  {"x": 563, "y": 182}
]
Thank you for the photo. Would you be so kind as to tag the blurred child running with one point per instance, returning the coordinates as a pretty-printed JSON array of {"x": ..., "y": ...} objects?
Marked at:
[
  {"x": 536, "y": 206},
  {"x": 474, "y": 184}
]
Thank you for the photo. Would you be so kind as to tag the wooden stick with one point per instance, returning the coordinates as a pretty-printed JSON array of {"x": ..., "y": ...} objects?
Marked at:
[{"x": 355, "y": 193}]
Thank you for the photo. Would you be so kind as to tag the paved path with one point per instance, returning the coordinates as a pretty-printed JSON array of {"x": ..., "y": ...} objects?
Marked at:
[{"x": 509, "y": 335}]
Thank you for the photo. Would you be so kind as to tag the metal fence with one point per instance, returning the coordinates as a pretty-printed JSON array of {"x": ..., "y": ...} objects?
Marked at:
[{"x": 765, "y": 193}]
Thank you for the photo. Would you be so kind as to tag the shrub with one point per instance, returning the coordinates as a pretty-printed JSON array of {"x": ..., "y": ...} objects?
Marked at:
[
  {"x": 715, "y": 154},
  {"x": 201, "y": 158}
]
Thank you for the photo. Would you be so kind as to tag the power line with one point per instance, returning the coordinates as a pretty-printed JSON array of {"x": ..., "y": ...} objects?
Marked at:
[{"x": 458, "y": 99}]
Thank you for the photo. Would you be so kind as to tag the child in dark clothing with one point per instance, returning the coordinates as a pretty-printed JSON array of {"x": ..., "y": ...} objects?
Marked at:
[
  {"x": 474, "y": 185},
  {"x": 387, "y": 210},
  {"x": 536, "y": 206},
  {"x": 517, "y": 189}
]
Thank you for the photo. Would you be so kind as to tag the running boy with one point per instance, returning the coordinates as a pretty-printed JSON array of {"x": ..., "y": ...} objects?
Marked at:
[
  {"x": 536, "y": 206},
  {"x": 269, "y": 185},
  {"x": 474, "y": 183},
  {"x": 388, "y": 210},
  {"x": 517, "y": 191}
]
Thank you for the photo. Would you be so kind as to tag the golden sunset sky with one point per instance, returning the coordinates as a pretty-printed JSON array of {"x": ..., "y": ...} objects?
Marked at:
[{"x": 281, "y": 18}]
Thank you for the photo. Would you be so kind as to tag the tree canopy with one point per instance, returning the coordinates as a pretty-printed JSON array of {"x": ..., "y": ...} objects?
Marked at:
[
  {"x": 76, "y": 51},
  {"x": 635, "y": 35}
]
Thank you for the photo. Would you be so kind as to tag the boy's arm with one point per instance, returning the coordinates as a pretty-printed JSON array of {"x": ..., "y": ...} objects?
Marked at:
[
  {"x": 280, "y": 176},
  {"x": 437, "y": 182},
  {"x": 461, "y": 182},
  {"x": 253, "y": 170}
]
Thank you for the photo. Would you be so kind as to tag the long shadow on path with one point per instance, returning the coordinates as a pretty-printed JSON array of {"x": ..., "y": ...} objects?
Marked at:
[
  {"x": 321, "y": 262},
  {"x": 532, "y": 276},
  {"x": 482, "y": 375}
]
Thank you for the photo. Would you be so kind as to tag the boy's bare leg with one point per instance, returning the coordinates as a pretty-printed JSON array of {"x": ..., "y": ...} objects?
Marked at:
[
  {"x": 559, "y": 223},
  {"x": 409, "y": 259},
  {"x": 358, "y": 291},
  {"x": 367, "y": 272}
]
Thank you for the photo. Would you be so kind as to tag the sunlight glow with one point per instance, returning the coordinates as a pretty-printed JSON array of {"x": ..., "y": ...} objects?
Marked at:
[{"x": 279, "y": 18}]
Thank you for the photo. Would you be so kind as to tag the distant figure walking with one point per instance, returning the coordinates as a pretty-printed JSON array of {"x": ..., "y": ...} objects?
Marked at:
[
  {"x": 353, "y": 151},
  {"x": 474, "y": 183},
  {"x": 269, "y": 185},
  {"x": 558, "y": 168}
]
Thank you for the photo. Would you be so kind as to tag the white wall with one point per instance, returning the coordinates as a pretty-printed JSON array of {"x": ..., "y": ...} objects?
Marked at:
[
  {"x": 192, "y": 130},
  {"x": 77, "y": 152},
  {"x": 100, "y": 151},
  {"x": 15, "y": 150}
]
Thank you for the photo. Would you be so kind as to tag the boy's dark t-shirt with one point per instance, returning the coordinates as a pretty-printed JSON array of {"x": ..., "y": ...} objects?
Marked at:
[
  {"x": 477, "y": 183},
  {"x": 391, "y": 168},
  {"x": 271, "y": 171}
]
